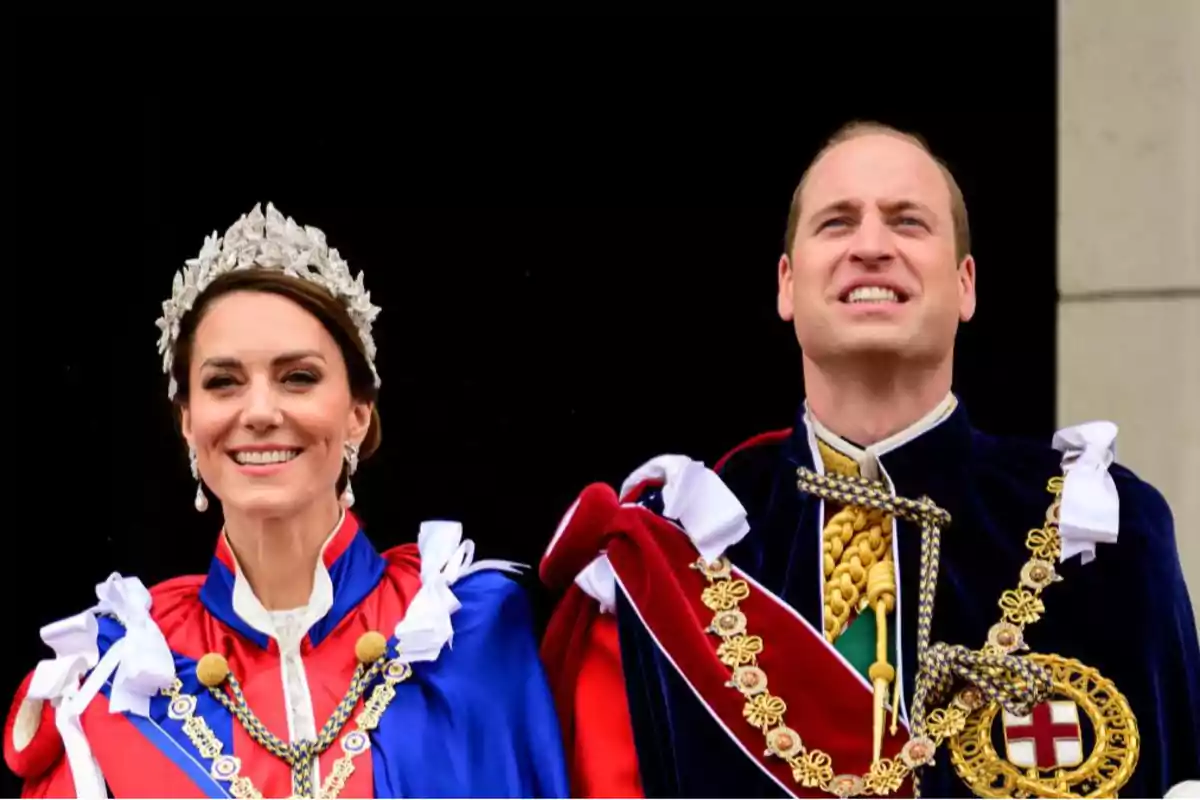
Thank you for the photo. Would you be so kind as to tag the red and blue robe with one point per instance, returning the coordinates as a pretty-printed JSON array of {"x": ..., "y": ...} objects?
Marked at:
[
  {"x": 643, "y": 699},
  {"x": 476, "y": 720}
]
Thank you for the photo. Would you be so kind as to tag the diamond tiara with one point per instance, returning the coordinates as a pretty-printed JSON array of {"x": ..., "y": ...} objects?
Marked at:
[{"x": 270, "y": 242}]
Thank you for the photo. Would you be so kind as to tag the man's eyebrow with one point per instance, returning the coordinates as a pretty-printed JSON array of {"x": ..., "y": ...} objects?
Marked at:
[
  {"x": 838, "y": 206},
  {"x": 895, "y": 206}
]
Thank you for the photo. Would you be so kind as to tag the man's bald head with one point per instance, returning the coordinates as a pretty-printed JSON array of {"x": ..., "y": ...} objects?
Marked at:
[{"x": 853, "y": 130}]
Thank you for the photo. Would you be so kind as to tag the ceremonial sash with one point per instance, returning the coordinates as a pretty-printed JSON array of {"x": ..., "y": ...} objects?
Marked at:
[{"x": 828, "y": 703}]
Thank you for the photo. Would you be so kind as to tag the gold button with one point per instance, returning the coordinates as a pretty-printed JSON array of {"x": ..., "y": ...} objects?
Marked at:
[
  {"x": 212, "y": 669},
  {"x": 370, "y": 647}
]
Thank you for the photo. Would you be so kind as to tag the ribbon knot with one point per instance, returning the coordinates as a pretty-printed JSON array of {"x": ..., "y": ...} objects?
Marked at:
[
  {"x": 1091, "y": 509},
  {"x": 141, "y": 660},
  {"x": 445, "y": 558},
  {"x": 73, "y": 641},
  {"x": 145, "y": 664},
  {"x": 708, "y": 511},
  {"x": 693, "y": 496},
  {"x": 1016, "y": 683},
  {"x": 864, "y": 492}
]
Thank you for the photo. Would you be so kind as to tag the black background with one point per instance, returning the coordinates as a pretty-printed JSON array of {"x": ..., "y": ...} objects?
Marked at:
[{"x": 571, "y": 223}]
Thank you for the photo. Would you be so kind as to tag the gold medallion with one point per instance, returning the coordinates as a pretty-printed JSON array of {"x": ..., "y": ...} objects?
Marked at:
[{"x": 1044, "y": 751}]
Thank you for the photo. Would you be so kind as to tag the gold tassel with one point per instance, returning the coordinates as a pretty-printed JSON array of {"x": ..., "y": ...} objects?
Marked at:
[{"x": 881, "y": 595}]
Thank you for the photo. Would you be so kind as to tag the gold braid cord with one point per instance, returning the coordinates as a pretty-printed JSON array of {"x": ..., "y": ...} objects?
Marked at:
[
  {"x": 991, "y": 679},
  {"x": 861, "y": 578},
  {"x": 213, "y": 671},
  {"x": 854, "y": 539}
]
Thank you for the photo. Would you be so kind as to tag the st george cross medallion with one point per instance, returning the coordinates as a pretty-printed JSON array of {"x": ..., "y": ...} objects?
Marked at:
[
  {"x": 1081, "y": 742},
  {"x": 1049, "y": 737}
]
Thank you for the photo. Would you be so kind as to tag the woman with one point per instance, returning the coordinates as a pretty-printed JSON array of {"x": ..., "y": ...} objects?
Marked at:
[{"x": 304, "y": 663}]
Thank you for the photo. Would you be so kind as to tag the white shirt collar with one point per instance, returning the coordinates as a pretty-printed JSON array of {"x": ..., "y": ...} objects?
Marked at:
[
  {"x": 288, "y": 628},
  {"x": 868, "y": 458}
]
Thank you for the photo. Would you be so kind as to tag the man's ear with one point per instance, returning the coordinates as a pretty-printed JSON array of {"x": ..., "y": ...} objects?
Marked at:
[
  {"x": 784, "y": 301},
  {"x": 966, "y": 289}
]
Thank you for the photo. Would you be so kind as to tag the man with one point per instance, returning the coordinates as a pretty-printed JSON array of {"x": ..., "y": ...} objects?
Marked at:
[{"x": 881, "y": 599}]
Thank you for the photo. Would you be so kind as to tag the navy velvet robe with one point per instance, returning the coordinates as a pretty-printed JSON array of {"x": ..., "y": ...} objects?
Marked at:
[{"x": 1126, "y": 613}]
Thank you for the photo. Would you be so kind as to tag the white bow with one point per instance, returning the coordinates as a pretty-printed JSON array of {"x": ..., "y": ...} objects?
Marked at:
[
  {"x": 692, "y": 493},
  {"x": 73, "y": 641},
  {"x": 709, "y": 512},
  {"x": 1090, "y": 510},
  {"x": 445, "y": 558},
  {"x": 141, "y": 659}
]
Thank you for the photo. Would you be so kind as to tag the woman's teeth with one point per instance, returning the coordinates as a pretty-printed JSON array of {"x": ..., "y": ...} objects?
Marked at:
[
  {"x": 873, "y": 294},
  {"x": 265, "y": 456}
]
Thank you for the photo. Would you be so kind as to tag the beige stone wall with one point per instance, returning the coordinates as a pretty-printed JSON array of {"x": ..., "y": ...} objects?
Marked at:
[{"x": 1129, "y": 240}]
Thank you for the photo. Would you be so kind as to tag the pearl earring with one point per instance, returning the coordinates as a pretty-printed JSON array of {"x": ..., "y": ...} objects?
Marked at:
[
  {"x": 351, "y": 465},
  {"x": 201, "y": 498}
]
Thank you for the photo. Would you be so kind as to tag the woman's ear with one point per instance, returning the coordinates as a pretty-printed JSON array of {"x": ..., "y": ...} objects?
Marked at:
[
  {"x": 360, "y": 422},
  {"x": 185, "y": 424}
]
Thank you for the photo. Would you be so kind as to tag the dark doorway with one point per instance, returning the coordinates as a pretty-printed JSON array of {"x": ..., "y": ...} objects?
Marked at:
[{"x": 572, "y": 226}]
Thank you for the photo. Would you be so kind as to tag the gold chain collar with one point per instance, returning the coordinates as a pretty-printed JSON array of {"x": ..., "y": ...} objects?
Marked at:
[
  {"x": 813, "y": 768},
  {"x": 213, "y": 671}
]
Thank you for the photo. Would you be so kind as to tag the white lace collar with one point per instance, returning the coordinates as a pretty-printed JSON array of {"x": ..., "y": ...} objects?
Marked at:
[{"x": 288, "y": 627}]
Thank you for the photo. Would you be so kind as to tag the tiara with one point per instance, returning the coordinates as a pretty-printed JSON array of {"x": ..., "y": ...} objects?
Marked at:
[{"x": 270, "y": 242}]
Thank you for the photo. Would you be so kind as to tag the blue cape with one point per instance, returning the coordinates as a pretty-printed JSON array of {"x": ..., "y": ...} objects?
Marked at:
[{"x": 1126, "y": 614}]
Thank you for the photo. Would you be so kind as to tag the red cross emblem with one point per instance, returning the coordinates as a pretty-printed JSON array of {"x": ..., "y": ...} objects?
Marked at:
[{"x": 1047, "y": 738}]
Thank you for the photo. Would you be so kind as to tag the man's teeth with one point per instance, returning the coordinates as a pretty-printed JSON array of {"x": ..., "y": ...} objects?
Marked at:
[
  {"x": 873, "y": 294},
  {"x": 265, "y": 456}
]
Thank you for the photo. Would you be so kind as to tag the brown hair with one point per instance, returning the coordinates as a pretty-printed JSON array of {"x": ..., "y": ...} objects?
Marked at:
[
  {"x": 853, "y": 130},
  {"x": 313, "y": 299}
]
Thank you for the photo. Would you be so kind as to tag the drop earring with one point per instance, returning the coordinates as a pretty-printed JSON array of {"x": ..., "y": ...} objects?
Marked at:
[
  {"x": 201, "y": 498},
  {"x": 351, "y": 465}
]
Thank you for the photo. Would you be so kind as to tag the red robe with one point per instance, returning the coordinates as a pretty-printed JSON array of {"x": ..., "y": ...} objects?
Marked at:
[{"x": 474, "y": 718}]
